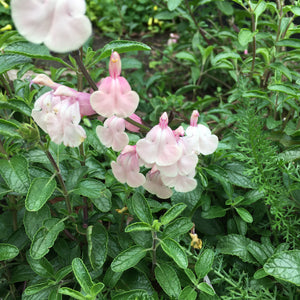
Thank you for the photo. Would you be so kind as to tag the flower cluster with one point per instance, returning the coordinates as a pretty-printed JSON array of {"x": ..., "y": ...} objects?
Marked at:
[
  {"x": 59, "y": 111},
  {"x": 172, "y": 157}
]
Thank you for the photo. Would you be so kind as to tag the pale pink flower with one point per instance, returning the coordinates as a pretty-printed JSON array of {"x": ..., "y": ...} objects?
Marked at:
[
  {"x": 60, "y": 24},
  {"x": 63, "y": 124},
  {"x": 112, "y": 133},
  {"x": 200, "y": 138},
  {"x": 187, "y": 161},
  {"x": 42, "y": 107},
  {"x": 59, "y": 111},
  {"x": 181, "y": 183},
  {"x": 67, "y": 93},
  {"x": 154, "y": 185},
  {"x": 160, "y": 145},
  {"x": 127, "y": 169},
  {"x": 173, "y": 39},
  {"x": 114, "y": 96}
]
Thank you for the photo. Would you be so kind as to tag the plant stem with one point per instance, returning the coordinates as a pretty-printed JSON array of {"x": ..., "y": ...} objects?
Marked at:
[
  {"x": 253, "y": 45},
  {"x": 85, "y": 203},
  {"x": 154, "y": 237},
  {"x": 201, "y": 31},
  {"x": 84, "y": 70},
  {"x": 60, "y": 179}
]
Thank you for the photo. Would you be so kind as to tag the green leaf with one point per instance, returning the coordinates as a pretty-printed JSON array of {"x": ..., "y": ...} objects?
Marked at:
[
  {"x": 224, "y": 56},
  {"x": 10, "y": 61},
  {"x": 8, "y": 251},
  {"x": 111, "y": 278},
  {"x": 172, "y": 213},
  {"x": 45, "y": 237},
  {"x": 186, "y": 56},
  {"x": 90, "y": 188},
  {"x": 283, "y": 89},
  {"x": 282, "y": 69},
  {"x": 235, "y": 175},
  {"x": 42, "y": 266},
  {"x": 175, "y": 251},
  {"x": 293, "y": 43},
  {"x": 103, "y": 203},
  {"x": 17, "y": 105},
  {"x": 204, "y": 263},
  {"x": 260, "y": 274},
  {"x": 244, "y": 214},
  {"x": 82, "y": 275},
  {"x": 234, "y": 244},
  {"x": 72, "y": 293},
  {"x": 141, "y": 208},
  {"x": 132, "y": 295},
  {"x": 188, "y": 293},
  {"x": 190, "y": 274},
  {"x": 97, "y": 245},
  {"x": 121, "y": 47},
  {"x": 168, "y": 280},
  {"x": 225, "y": 7},
  {"x": 289, "y": 155},
  {"x": 206, "y": 288},
  {"x": 35, "y": 288},
  {"x": 295, "y": 10},
  {"x": 31, "y": 50},
  {"x": 138, "y": 226},
  {"x": 128, "y": 258},
  {"x": 39, "y": 192},
  {"x": 97, "y": 288},
  {"x": 214, "y": 212},
  {"x": 178, "y": 227},
  {"x": 33, "y": 220},
  {"x": 9, "y": 129},
  {"x": 173, "y": 4},
  {"x": 245, "y": 36},
  {"x": 260, "y": 8},
  {"x": 62, "y": 273},
  {"x": 15, "y": 173},
  {"x": 285, "y": 266}
]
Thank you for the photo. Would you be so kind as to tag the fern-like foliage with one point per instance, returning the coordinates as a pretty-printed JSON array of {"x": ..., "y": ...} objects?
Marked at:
[{"x": 260, "y": 157}]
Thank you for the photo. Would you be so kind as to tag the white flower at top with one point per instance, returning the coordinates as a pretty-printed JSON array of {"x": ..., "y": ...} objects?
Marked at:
[{"x": 60, "y": 24}]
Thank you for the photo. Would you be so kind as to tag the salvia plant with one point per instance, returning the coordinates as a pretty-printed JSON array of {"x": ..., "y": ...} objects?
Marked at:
[{"x": 149, "y": 149}]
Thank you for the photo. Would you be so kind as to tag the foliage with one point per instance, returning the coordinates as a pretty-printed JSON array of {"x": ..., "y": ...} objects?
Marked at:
[{"x": 70, "y": 229}]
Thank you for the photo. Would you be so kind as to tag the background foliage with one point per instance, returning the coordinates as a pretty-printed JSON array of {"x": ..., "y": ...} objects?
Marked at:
[{"x": 237, "y": 62}]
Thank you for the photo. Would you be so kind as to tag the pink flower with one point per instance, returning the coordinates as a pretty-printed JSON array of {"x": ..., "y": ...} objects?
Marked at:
[
  {"x": 67, "y": 93},
  {"x": 187, "y": 161},
  {"x": 114, "y": 96},
  {"x": 58, "y": 112},
  {"x": 112, "y": 133},
  {"x": 160, "y": 145},
  {"x": 181, "y": 183},
  {"x": 63, "y": 124},
  {"x": 127, "y": 169},
  {"x": 154, "y": 185},
  {"x": 60, "y": 24},
  {"x": 200, "y": 138},
  {"x": 131, "y": 127}
]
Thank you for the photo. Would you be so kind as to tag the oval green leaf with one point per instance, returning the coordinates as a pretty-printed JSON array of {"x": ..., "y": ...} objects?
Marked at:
[
  {"x": 8, "y": 251},
  {"x": 122, "y": 46},
  {"x": 285, "y": 266},
  {"x": 39, "y": 192},
  {"x": 82, "y": 275},
  {"x": 128, "y": 258},
  {"x": 175, "y": 251},
  {"x": 172, "y": 213}
]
